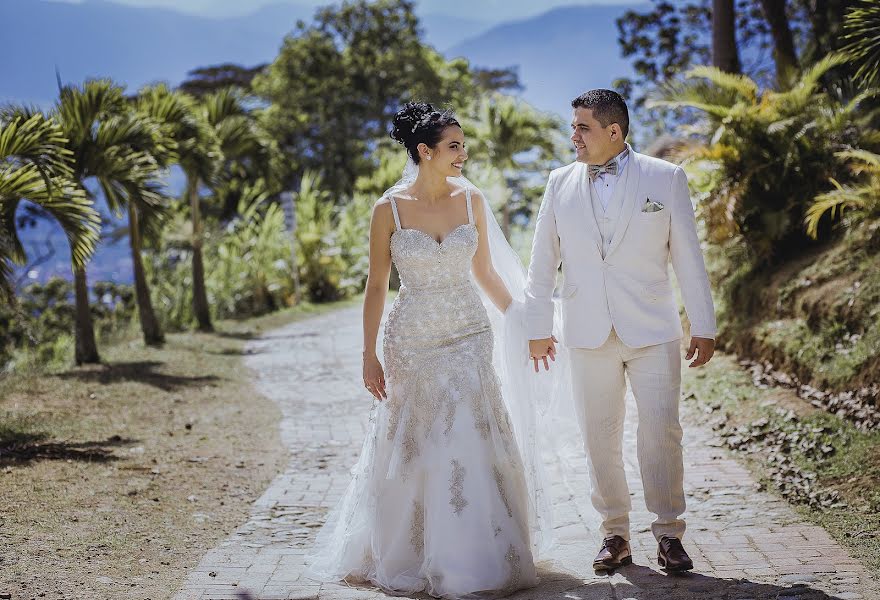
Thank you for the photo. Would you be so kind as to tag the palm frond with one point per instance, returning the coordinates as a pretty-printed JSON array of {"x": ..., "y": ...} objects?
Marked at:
[
  {"x": 742, "y": 85},
  {"x": 701, "y": 95},
  {"x": 834, "y": 201},
  {"x": 865, "y": 156},
  {"x": 862, "y": 33}
]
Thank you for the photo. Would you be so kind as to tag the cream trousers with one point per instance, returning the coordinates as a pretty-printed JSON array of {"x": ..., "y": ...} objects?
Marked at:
[{"x": 599, "y": 390}]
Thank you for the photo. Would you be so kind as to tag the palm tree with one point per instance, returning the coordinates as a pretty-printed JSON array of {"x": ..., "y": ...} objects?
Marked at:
[
  {"x": 197, "y": 152},
  {"x": 505, "y": 130},
  {"x": 35, "y": 166},
  {"x": 241, "y": 153},
  {"x": 167, "y": 111},
  {"x": 246, "y": 149},
  {"x": 105, "y": 138}
]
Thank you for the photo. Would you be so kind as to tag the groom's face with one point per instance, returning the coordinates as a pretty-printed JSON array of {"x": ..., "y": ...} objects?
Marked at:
[{"x": 593, "y": 143}]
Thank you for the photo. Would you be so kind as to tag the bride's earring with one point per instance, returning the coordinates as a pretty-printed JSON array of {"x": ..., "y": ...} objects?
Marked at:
[{"x": 428, "y": 157}]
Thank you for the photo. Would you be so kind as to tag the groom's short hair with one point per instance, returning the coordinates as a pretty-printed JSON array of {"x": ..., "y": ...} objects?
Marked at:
[{"x": 608, "y": 107}]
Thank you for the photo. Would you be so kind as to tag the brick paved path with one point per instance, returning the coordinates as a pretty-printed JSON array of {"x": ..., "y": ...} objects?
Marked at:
[{"x": 745, "y": 544}]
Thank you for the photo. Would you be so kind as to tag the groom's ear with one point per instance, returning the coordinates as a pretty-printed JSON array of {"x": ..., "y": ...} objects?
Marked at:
[{"x": 616, "y": 132}]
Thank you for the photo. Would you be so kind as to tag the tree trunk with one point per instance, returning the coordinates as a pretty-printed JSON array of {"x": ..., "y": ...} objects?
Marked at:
[
  {"x": 783, "y": 43},
  {"x": 149, "y": 324},
  {"x": 200, "y": 295},
  {"x": 86, "y": 350},
  {"x": 505, "y": 220},
  {"x": 724, "y": 52}
]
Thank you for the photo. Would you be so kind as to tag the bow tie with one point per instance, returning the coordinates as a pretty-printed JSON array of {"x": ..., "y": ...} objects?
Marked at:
[{"x": 611, "y": 167}]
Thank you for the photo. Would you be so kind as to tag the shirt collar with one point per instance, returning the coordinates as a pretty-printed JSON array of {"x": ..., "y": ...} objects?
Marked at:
[{"x": 622, "y": 159}]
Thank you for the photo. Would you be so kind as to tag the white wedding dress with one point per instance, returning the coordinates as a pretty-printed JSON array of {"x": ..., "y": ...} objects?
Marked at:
[{"x": 439, "y": 500}]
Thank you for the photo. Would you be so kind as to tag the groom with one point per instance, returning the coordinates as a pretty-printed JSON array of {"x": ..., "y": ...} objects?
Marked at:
[{"x": 614, "y": 219}]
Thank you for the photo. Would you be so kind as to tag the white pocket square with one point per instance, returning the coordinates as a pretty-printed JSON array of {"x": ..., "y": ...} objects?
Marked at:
[{"x": 651, "y": 206}]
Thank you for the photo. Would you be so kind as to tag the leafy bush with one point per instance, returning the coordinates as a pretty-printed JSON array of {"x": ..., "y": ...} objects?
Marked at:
[
  {"x": 37, "y": 330},
  {"x": 767, "y": 154},
  {"x": 251, "y": 261}
]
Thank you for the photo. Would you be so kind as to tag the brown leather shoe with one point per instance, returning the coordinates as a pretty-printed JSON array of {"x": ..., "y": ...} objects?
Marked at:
[
  {"x": 615, "y": 553},
  {"x": 671, "y": 555}
]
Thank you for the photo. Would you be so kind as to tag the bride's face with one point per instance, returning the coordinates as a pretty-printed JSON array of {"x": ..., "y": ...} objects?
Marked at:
[{"x": 449, "y": 155}]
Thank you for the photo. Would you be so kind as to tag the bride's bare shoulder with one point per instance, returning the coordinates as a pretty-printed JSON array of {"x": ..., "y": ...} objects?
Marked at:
[
  {"x": 382, "y": 210},
  {"x": 477, "y": 199}
]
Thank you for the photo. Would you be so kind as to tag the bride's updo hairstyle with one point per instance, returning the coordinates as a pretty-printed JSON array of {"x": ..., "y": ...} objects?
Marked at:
[{"x": 419, "y": 123}]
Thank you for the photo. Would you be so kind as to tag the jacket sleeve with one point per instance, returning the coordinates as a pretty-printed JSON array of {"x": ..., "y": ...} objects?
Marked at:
[
  {"x": 687, "y": 260},
  {"x": 544, "y": 264}
]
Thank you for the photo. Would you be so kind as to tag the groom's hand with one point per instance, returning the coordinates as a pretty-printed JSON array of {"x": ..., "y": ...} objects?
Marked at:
[
  {"x": 704, "y": 348},
  {"x": 541, "y": 349}
]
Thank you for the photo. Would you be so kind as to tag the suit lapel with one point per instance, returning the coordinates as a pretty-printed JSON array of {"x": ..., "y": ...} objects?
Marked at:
[
  {"x": 630, "y": 204},
  {"x": 585, "y": 199}
]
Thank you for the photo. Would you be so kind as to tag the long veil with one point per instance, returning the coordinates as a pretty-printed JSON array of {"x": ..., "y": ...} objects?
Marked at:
[{"x": 534, "y": 401}]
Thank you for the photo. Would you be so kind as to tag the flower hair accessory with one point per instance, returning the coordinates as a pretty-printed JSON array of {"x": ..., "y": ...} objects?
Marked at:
[{"x": 425, "y": 120}]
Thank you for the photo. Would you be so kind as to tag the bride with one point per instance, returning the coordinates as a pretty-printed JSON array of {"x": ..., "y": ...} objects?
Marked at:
[{"x": 447, "y": 496}]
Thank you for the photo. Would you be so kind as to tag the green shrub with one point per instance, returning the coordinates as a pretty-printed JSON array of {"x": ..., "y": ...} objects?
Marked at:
[{"x": 767, "y": 154}]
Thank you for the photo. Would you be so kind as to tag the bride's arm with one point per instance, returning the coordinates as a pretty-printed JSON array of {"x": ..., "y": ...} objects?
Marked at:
[
  {"x": 481, "y": 266},
  {"x": 381, "y": 228}
]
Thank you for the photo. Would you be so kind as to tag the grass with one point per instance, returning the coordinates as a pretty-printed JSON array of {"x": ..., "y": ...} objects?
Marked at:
[
  {"x": 132, "y": 469},
  {"x": 723, "y": 393}
]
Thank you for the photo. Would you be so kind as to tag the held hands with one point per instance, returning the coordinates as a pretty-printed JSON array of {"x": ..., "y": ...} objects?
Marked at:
[
  {"x": 704, "y": 348},
  {"x": 541, "y": 349},
  {"x": 374, "y": 377}
]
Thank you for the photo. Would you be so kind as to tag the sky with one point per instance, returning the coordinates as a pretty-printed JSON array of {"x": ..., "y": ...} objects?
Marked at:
[{"x": 483, "y": 10}]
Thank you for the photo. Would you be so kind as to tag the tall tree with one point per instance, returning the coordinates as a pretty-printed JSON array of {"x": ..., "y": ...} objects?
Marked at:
[
  {"x": 670, "y": 37},
  {"x": 205, "y": 80},
  {"x": 725, "y": 55},
  {"x": 784, "y": 54},
  {"x": 337, "y": 83}
]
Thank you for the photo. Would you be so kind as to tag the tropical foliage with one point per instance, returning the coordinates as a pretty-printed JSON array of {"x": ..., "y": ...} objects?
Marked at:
[
  {"x": 35, "y": 165},
  {"x": 767, "y": 153},
  {"x": 861, "y": 198},
  {"x": 862, "y": 27},
  {"x": 515, "y": 139}
]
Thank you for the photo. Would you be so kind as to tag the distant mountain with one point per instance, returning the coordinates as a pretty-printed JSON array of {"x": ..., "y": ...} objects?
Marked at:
[
  {"x": 442, "y": 31},
  {"x": 560, "y": 53},
  {"x": 132, "y": 45},
  {"x": 142, "y": 45}
]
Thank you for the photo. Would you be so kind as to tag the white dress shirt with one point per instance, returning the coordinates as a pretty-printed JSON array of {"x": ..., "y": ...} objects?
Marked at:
[{"x": 603, "y": 187}]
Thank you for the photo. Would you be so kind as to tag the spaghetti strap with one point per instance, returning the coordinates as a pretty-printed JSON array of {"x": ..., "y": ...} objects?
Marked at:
[
  {"x": 394, "y": 210},
  {"x": 467, "y": 196}
]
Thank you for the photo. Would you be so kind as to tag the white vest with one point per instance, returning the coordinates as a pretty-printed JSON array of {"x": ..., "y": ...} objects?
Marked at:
[{"x": 606, "y": 219}]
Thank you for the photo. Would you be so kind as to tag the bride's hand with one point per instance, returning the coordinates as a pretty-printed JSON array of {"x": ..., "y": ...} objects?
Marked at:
[{"x": 374, "y": 377}]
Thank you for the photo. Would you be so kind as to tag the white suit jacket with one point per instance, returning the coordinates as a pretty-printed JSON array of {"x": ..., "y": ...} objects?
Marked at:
[{"x": 629, "y": 288}]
